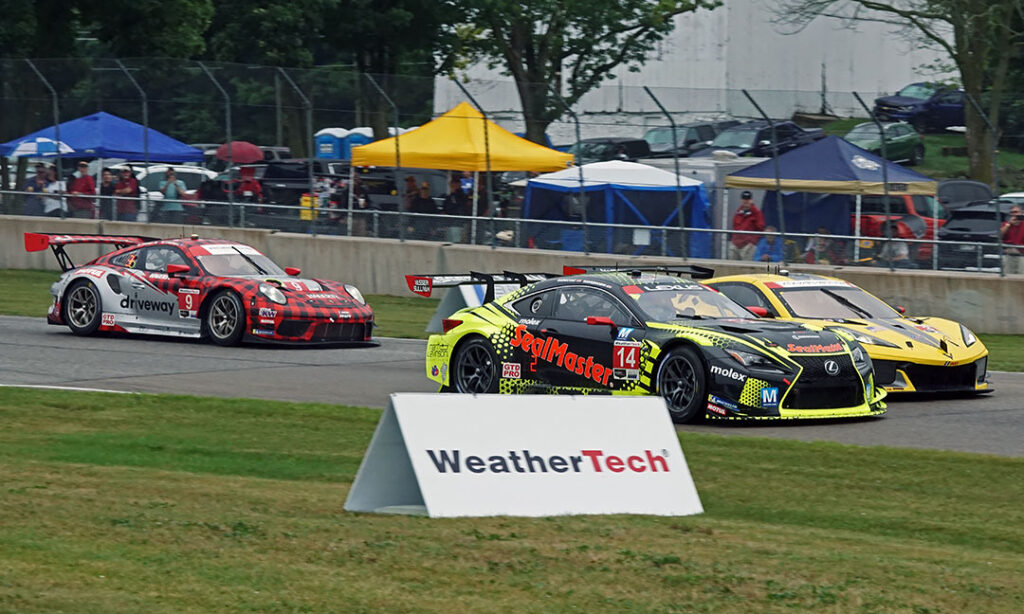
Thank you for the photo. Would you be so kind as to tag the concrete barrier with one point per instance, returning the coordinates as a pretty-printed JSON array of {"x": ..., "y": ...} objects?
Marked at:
[{"x": 984, "y": 302}]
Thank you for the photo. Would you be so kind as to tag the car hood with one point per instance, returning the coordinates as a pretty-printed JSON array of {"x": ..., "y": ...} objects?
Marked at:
[
  {"x": 312, "y": 292},
  {"x": 899, "y": 101},
  {"x": 709, "y": 151},
  {"x": 921, "y": 339},
  {"x": 792, "y": 337}
]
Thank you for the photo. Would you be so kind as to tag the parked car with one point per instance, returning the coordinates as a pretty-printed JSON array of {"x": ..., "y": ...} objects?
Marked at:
[
  {"x": 602, "y": 149},
  {"x": 690, "y": 138},
  {"x": 902, "y": 142},
  {"x": 755, "y": 139},
  {"x": 978, "y": 223},
  {"x": 1013, "y": 197},
  {"x": 926, "y": 106},
  {"x": 149, "y": 178},
  {"x": 955, "y": 193},
  {"x": 270, "y": 153},
  {"x": 915, "y": 216}
]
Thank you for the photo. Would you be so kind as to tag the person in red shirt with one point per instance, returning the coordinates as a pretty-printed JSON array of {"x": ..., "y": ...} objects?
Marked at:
[
  {"x": 1012, "y": 232},
  {"x": 127, "y": 185},
  {"x": 748, "y": 217},
  {"x": 83, "y": 185}
]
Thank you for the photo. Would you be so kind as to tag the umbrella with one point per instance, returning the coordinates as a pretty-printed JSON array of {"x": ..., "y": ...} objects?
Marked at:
[
  {"x": 242, "y": 152},
  {"x": 39, "y": 147}
]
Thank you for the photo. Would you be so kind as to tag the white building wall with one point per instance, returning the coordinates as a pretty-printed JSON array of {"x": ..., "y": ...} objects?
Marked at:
[{"x": 701, "y": 68}]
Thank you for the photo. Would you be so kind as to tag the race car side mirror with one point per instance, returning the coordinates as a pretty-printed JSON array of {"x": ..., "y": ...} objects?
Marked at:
[
  {"x": 602, "y": 321},
  {"x": 901, "y": 309},
  {"x": 294, "y": 271},
  {"x": 178, "y": 269},
  {"x": 760, "y": 312}
]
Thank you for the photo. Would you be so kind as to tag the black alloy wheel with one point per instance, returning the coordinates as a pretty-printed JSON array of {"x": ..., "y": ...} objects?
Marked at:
[
  {"x": 682, "y": 382},
  {"x": 475, "y": 368}
]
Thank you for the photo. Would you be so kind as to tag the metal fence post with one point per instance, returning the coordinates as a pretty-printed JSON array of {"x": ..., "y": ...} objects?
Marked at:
[
  {"x": 145, "y": 123},
  {"x": 231, "y": 159},
  {"x": 579, "y": 165},
  {"x": 56, "y": 132},
  {"x": 398, "y": 158},
  {"x": 675, "y": 161},
  {"x": 487, "y": 165},
  {"x": 887, "y": 231},
  {"x": 309, "y": 149},
  {"x": 778, "y": 181},
  {"x": 993, "y": 137}
]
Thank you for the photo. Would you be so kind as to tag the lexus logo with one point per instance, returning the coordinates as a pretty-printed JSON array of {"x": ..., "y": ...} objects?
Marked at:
[{"x": 831, "y": 367}]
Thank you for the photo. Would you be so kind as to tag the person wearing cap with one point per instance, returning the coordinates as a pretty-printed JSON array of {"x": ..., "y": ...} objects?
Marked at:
[
  {"x": 422, "y": 203},
  {"x": 33, "y": 205},
  {"x": 747, "y": 218},
  {"x": 83, "y": 189},
  {"x": 128, "y": 187}
]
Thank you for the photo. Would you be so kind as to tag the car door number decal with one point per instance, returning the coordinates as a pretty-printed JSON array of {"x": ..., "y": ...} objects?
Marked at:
[
  {"x": 188, "y": 299},
  {"x": 626, "y": 360}
]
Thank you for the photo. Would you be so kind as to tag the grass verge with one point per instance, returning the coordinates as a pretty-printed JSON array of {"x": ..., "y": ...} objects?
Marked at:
[
  {"x": 117, "y": 503},
  {"x": 27, "y": 294}
]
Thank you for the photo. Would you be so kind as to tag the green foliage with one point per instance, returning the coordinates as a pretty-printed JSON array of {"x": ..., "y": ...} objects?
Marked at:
[
  {"x": 154, "y": 28},
  {"x": 567, "y": 46}
]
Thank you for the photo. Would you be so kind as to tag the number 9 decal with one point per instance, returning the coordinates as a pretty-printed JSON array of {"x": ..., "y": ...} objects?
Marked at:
[{"x": 187, "y": 300}]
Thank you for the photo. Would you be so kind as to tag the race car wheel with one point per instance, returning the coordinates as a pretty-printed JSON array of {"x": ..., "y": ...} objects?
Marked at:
[
  {"x": 82, "y": 308},
  {"x": 475, "y": 368},
  {"x": 681, "y": 380},
  {"x": 225, "y": 318}
]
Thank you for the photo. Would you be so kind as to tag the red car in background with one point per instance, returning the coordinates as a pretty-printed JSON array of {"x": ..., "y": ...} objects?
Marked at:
[
  {"x": 211, "y": 288},
  {"x": 916, "y": 217}
]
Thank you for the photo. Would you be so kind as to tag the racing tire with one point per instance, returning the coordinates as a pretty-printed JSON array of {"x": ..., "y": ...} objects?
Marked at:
[
  {"x": 918, "y": 156},
  {"x": 475, "y": 368},
  {"x": 682, "y": 382},
  {"x": 83, "y": 308},
  {"x": 224, "y": 320}
]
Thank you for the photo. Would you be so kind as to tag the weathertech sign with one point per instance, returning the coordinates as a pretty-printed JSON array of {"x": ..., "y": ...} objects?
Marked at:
[{"x": 524, "y": 461}]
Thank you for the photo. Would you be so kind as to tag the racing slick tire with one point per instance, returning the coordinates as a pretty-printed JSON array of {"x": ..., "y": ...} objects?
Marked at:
[
  {"x": 83, "y": 309},
  {"x": 683, "y": 383},
  {"x": 475, "y": 368},
  {"x": 224, "y": 320}
]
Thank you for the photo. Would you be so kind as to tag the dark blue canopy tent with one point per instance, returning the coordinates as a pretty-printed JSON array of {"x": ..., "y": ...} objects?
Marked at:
[
  {"x": 102, "y": 135},
  {"x": 617, "y": 192}
]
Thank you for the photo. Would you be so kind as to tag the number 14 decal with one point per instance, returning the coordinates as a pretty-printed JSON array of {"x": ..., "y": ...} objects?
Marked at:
[{"x": 626, "y": 355}]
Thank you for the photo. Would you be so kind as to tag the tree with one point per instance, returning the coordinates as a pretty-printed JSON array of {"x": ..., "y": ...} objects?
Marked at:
[
  {"x": 984, "y": 38},
  {"x": 566, "y": 46}
]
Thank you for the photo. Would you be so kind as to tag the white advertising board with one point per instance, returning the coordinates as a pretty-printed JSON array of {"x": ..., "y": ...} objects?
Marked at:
[{"x": 492, "y": 455}]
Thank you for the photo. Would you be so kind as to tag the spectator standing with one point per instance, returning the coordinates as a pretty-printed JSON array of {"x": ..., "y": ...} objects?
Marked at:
[
  {"x": 127, "y": 187},
  {"x": 894, "y": 251},
  {"x": 55, "y": 205},
  {"x": 824, "y": 250},
  {"x": 411, "y": 192},
  {"x": 83, "y": 193},
  {"x": 422, "y": 203},
  {"x": 747, "y": 218},
  {"x": 466, "y": 182},
  {"x": 33, "y": 204},
  {"x": 360, "y": 203},
  {"x": 107, "y": 185},
  {"x": 1012, "y": 232},
  {"x": 173, "y": 189},
  {"x": 769, "y": 248}
]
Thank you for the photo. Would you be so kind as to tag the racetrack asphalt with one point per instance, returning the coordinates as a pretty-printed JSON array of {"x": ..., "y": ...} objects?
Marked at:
[{"x": 36, "y": 354}]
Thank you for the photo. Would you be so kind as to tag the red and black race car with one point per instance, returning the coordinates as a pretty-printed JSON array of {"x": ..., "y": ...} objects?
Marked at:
[{"x": 194, "y": 287}]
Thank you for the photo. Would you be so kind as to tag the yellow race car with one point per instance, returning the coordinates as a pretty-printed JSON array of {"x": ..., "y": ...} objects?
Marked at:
[{"x": 910, "y": 354}]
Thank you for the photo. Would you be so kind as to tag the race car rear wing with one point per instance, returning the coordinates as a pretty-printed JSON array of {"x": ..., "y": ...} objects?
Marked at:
[
  {"x": 424, "y": 284},
  {"x": 38, "y": 241},
  {"x": 694, "y": 271}
]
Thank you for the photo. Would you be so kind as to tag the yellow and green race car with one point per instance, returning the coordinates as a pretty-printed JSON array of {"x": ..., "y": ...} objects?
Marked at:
[
  {"x": 645, "y": 332},
  {"x": 910, "y": 354}
]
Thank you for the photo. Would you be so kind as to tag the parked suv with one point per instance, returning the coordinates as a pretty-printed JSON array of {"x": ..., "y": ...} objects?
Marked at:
[
  {"x": 926, "y": 106},
  {"x": 977, "y": 222},
  {"x": 955, "y": 193},
  {"x": 913, "y": 216},
  {"x": 755, "y": 139},
  {"x": 690, "y": 138},
  {"x": 610, "y": 148}
]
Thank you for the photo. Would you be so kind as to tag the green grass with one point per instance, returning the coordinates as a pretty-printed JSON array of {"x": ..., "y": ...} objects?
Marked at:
[
  {"x": 941, "y": 167},
  {"x": 145, "y": 503}
]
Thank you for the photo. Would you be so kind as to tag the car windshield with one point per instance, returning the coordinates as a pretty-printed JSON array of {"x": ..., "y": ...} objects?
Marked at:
[
  {"x": 735, "y": 138},
  {"x": 590, "y": 150},
  {"x": 663, "y": 136},
  {"x": 838, "y": 302},
  {"x": 922, "y": 91},
  {"x": 238, "y": 264},
  {"x": 688, "y": 302},
  {"x": 864, "y": 131},
  {"x": 972, "y": 221}
]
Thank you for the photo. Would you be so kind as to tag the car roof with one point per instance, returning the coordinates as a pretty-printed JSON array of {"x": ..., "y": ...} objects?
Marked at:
[
  {"x": 622, "y": 278},
  {"x": 805, "y": 279}
]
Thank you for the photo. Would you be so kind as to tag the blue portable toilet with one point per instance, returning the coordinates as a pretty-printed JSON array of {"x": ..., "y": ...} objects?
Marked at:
[
  {"x": 355, "y": 138},
  {"x": 330, "y": 142}
]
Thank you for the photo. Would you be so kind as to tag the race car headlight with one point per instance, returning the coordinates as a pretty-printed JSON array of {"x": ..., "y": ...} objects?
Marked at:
[
  {"x": 860, "y": 357},
  {"x": 355, "y": 293},
  {"x": 969, "y": 338},
  {"x": 754, "y": 361},
  {"x": 869, "y": 339},
  {"x": 273, "y": 293}
]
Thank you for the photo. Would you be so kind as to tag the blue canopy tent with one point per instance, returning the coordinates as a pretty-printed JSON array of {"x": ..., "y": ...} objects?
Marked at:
[
  {"x": 102, "y": 135},
  {"x": 617, "y": 192}
]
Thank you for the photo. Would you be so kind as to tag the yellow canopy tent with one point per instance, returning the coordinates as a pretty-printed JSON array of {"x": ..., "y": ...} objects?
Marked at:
[{"x": 455, "y": 141}]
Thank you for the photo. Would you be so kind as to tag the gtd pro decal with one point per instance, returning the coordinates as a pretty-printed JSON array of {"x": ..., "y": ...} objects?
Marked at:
[{"x": 523, "y": 461}]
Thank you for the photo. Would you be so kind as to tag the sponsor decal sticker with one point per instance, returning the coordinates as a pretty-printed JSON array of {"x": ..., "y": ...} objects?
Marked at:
[
  {"x": 188, "y": 300},
  {"x": 92, "y": 272},
  {"x": 266, "y": 321},
  {"x": 529, "y": 321},
  {"x": 524, "y": 461},
  {"x": 263, "y": 332},
  {"x": 511, "y": 370},
  {"x": 420, "y": 285},
  {"x": 716, "y": 409},
  {"x": 267, "y": 312},
  {"x": 729, "y": 373},
  {"x": 769, "y": 398},
  {"x": 136, "y": 304},
  {"x": 831, "y": 367},
  {"x": 632, "y": 290},
  {"x": 624, "y": 333},
  {"x": 816, "y": 348},
  {"x": 626, "y": 360},
  {"x": 721, "y": 402},
  {"x": 323, "y": 296},
  {"x": 107, "y": 319},
  {"x": 438, "y": 350},
  {"x": 550, "y": 349}
]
